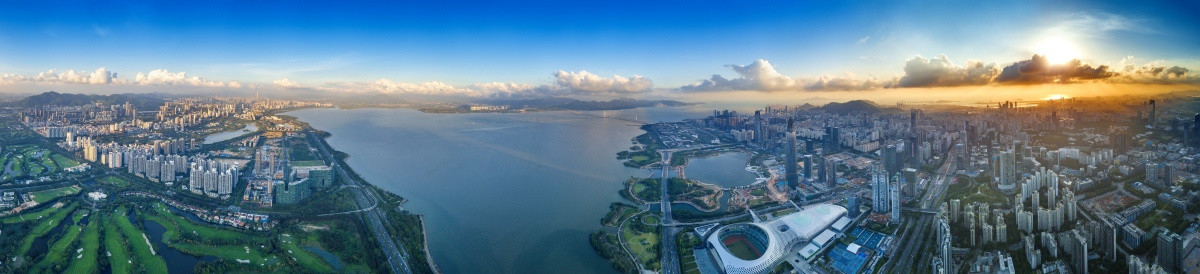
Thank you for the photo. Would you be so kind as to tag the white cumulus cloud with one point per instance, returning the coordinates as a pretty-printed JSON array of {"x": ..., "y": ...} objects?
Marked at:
[
  {"x": 588, "y": 82},
  {"x": 285, "y": 83},
  {"x": 761, "y": 75}
]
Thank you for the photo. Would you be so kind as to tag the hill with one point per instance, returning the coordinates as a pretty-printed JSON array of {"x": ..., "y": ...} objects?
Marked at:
[
  {"x": 51, "y": 98},
  {"x": 856, "y": 106}
]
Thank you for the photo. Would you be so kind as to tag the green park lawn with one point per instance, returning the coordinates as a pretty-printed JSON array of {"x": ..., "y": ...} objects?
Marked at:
[
  {"x": 63, "y": 161},
  {"x": 178, "y": 225},
  {"x": 140, "y": 244},
  {"x": 644, "y": 245},
  {"x": 115, "y": 181},
  {"x": 116, "y": 249},
  {"x": 303, "y": 257},
  {"x": 30, "y": 215},
  {"x": 86, "y": 260},
  {"x": 42, "y": 228},
  {"x": 46, "y": 195},
  {"x": 58, "y": 254}
]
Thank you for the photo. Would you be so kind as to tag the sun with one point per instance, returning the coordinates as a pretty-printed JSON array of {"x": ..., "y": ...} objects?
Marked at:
[
  {"x": 1057, "y": 49},
  {"x": 1057, "y": 97}
]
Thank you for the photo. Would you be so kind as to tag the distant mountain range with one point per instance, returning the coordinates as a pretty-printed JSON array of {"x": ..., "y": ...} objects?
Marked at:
[
  {"x": 140, "y": 101},
  {"x": 856, "y": 106}
]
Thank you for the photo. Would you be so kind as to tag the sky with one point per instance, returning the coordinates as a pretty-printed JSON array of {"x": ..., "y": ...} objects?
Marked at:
[{"x": 703, "y": 50}]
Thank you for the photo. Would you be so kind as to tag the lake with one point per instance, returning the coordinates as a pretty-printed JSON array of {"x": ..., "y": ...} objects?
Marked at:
[
  {"x": 501, "y": 192},
  {"x": 726, "y": 170},
  {"x": 226, "y": 135}
]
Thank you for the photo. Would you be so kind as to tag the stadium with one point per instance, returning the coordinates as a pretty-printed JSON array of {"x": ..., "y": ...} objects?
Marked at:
[{"x": 757, "y": 247}]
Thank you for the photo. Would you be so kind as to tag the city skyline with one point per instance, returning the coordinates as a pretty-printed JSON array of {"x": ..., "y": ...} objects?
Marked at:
[{"x": 747, "y": 53}]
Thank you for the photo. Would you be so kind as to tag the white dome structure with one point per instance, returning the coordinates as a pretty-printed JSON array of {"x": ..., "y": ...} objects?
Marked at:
[{"x": 757, "y": 247}]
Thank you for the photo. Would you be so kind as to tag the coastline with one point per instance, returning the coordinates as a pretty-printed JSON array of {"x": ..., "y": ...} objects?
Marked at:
[{"x": 340, "y": 158}]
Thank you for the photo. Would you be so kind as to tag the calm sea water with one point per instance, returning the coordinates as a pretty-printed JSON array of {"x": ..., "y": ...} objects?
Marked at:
[{"x": 501, "y": 193}]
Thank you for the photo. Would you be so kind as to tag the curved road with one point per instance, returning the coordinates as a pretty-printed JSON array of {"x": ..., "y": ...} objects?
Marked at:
[{"x": 376, "y": 220}]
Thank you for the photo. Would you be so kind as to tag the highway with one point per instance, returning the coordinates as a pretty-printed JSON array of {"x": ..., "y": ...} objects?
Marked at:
[
  {"x": 670, "y": 258},
  {"x": 908, "y": 247},
  {"x": 376, "y": 220}
]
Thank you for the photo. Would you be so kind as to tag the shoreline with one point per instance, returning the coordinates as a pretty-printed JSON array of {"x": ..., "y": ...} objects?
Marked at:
[{"x": 322, "y": 135}]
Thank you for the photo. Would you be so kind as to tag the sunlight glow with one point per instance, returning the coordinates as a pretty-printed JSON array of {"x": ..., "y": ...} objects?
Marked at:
[
  {"x": 1057, "y": 97},
  {"x": 1057, "y": 49}
]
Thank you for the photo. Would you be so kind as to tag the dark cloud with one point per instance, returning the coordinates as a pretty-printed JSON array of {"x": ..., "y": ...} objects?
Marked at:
[
  {"x": 843, "y": 84},
  {"x": 940, "y": 72},
  {"x": 1156, "y": 74},
  {"x": 1038, "y": 70}
]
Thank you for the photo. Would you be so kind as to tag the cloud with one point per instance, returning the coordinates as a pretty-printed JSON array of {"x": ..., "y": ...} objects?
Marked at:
[
  {"x": 98, "y": 77},
  {"x": 102, "y": 76},
  {"x": 718, "y": 83},
  {"x": 1153, "y": 73},
  {"x": 1038, "y": 70},
  {"x": 864, "y": 40},
  {"x": 760, "y": 75},
  {"x": 940, "y": 72},
  {"x": 588, "y": 82},
  {"x": 828, "y": 83},
  {"x": 566, "y": 83},
  {"x": 100, "y": 31},
  {"x": 505, "y": 89},
  {"x": 285, "y": 83},
  {"x": 1092, "y": 24},
  {"x": 164, "y": 77}
]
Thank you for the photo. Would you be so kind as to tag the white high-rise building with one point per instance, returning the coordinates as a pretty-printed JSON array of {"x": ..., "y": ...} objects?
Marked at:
[
  {"x": 1008, "y": 171},
  {"x": 225, "y": 186},
  {"x": 196, "y": 178},
  {"x": 880, "y": 190},
  {"x": 167, "y": 172},
  {"x": 210, "y": 181},
  {"x": 944, "y": 243}
]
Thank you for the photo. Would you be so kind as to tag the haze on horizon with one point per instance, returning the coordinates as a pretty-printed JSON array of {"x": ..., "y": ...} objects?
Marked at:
[{"x": 743, "y": 52}]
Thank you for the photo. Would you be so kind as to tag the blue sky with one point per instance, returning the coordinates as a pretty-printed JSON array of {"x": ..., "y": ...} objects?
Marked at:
[{"x": 671, "y": 43}]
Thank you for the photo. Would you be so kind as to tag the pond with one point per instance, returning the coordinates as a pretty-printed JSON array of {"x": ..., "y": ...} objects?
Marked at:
[
  {"x": 726, "y": 170},
  {"x": 177, "y": 261},
  {"x": 226, "y": 135}
]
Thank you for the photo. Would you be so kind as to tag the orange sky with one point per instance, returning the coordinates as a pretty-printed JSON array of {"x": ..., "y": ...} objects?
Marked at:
[{"x": 959, "y": 95}]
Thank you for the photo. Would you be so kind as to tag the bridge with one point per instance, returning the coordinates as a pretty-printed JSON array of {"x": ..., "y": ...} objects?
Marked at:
[{"x": 634, "y": 120}]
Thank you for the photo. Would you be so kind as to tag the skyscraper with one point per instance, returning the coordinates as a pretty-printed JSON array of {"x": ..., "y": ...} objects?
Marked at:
[
  {"x": 944, "y": 243},
  {"x": 1170, "y": 250},
  {"x": 1104, "y": 238},
  {"x": 830, "y": 140},
  {"x": 880, "y": 190},
  {"x": 891, "y": 160},
  {"x": 1007, "y": 180},
  {"x": 790, "y": 156},
  {"x": 830, "y": 171},
  {"x": 895, "y": 198},
  {"x": 1196, "y": 129},
  {"x": 808, "y": 166},
  {"x": 1078, "y": 251},
  {"x": 1153, "y": 109},
  {"x": 852, "y": 205},
  {"x": 912, "y": 120}
]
